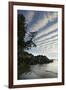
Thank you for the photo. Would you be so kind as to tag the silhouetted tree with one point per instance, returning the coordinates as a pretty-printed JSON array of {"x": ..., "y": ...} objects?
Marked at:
[
  {"x": 22, "y": 56},
  {"x": 21, "y": 34}
]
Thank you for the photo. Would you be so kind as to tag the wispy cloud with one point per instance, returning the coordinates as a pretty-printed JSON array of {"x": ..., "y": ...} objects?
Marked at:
[
  {"x": 47, "y": 30},
  {"x": 39, "y": 24},
  {"x": 35, "y": 24},
  {"x": 27, "y": 36},
  {"x": 52, "y": 15},
  {"x": 43, "y": 21},
  {"x": 29, "y": 16},
  {"x": 46, "y": 38}
]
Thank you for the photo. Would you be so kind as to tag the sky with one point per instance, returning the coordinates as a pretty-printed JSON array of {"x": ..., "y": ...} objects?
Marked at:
[{"x": 45, "y": 24}]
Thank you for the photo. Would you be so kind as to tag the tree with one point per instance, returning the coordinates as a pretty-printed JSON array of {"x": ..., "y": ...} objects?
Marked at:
[
  {"x": 21, "y": 34},
  {"x": 22, "y": 55},
  {"x": 30, "y": 42},
  {"x": 21, "y": 31}
]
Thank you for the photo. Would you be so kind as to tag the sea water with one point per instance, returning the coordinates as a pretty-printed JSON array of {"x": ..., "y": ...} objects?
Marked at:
[{"x": 42, "y": 71}]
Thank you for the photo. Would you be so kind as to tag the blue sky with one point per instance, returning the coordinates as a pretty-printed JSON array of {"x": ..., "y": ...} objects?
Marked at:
[{"x": 45, "y": 23}]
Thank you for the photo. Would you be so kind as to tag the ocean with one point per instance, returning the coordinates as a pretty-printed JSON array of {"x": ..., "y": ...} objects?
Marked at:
[{"x": 42, "y": 71}]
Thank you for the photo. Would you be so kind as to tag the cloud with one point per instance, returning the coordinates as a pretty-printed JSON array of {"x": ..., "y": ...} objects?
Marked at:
[
  {"x": 49, "y": 37},
  {"x": 39, "y": 24},
  {"x": 27, "y": 36},
  {"x": 47, "y": 41},
  {"x": 29, "y": 16},
  {"x": 52, "y": 15},
  {"x": 46, "y": 31}
]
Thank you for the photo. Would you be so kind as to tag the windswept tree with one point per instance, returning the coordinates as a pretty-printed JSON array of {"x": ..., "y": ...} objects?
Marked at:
[
  {"x": 30, "y": 43},
  {"x": 21, "y": 35},
  {"x": 22, "y": 66},
  {"x": 21, "y": 31}
]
